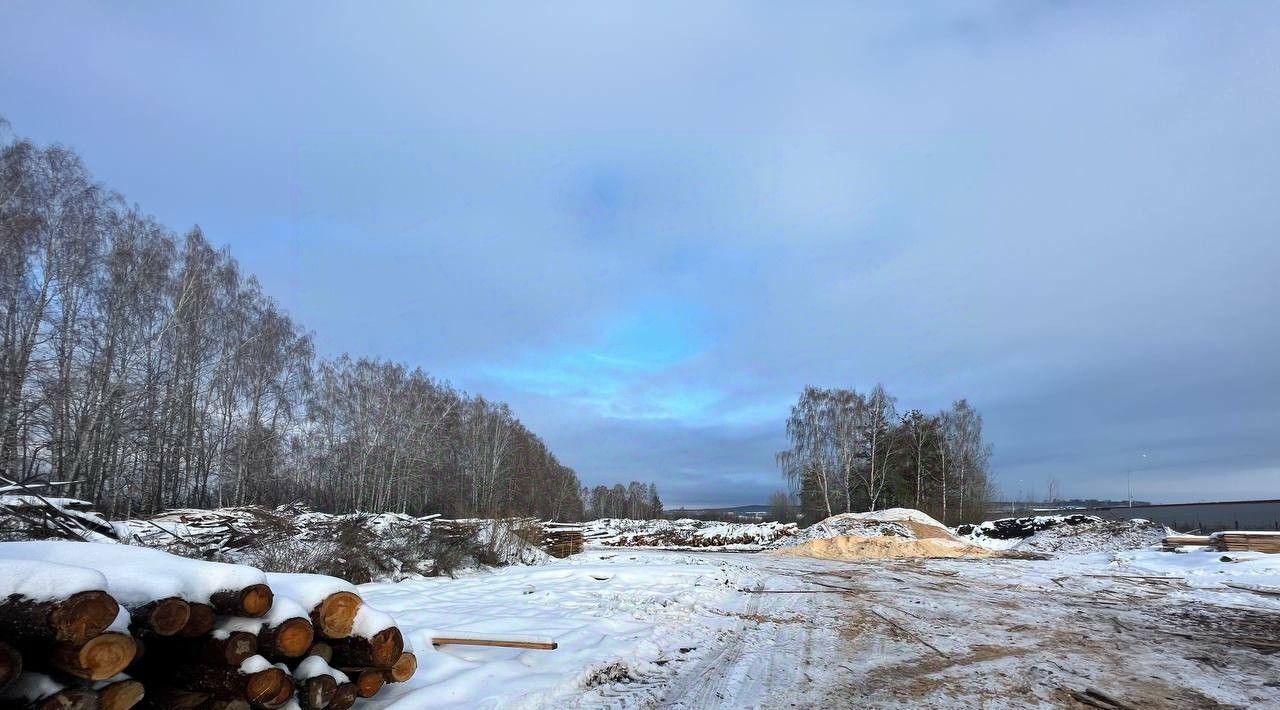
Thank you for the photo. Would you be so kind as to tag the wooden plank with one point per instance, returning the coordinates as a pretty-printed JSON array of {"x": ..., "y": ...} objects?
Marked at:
[{"x": 498, "y": 642}]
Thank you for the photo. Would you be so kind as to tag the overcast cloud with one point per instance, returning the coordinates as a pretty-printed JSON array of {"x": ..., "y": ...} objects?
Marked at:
[{"x": 649, "y": 226}]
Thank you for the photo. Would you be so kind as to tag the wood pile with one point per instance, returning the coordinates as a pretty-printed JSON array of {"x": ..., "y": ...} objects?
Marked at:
[
  {"x": 1173, "y": 542},
  {"x": 1229, "y": 541},
  {"x": 1246, "y": 541},
  {"x": 562, "y": 539},
  {"x": 86, "y": 626}
]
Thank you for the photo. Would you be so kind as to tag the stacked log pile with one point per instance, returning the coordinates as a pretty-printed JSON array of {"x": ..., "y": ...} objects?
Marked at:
[
  {"x": 1172, "y": 542},
  {"x": 1229, "y": 541},
  {"x": 562, "y": 539},
  {"x": 113, "y": 627},
  {"x": 1246, "y": 541}
]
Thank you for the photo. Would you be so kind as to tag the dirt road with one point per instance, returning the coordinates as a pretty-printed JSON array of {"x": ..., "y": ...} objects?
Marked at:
[{"x": 977, "y": 633}]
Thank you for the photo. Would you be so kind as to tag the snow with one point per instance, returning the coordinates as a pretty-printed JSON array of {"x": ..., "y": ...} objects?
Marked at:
[
  {"x": 1075, "y": 534},
  {"x": 312, "y": 666},
  {"x": 255, "y": 664},
  {"x": 308, "y": 589},
  {"x": 892, "y": 515},
  {"x": 369, "y": 621},
  {"x": 39, "y": 581},
  {"x": 31, "y": 686},
  {"x": 136, "y": 575},
  {"x": 611, "y": 614},
  {"x": 1205, "y": 569},
  {"x": 661, "y": 628},
  {"x": 282, "y": 609}
]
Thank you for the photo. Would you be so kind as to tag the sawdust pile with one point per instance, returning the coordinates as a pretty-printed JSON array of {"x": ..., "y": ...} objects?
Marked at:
[{"x": 855, "y": 547}]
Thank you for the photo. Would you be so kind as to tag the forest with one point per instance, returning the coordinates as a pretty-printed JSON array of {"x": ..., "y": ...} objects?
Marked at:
[
  {"x": 150, "y": 371},
  {"x": 850, "y": 451}
]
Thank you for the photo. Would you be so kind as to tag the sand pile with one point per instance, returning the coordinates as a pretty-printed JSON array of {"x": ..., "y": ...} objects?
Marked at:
[
  {"x": 855, "y": 547},
  {"x": 893, "y": 522}
]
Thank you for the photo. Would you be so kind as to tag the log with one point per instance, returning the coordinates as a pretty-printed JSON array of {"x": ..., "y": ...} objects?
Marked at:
[
  {"x": 199, "y": 622},
  {"x": 253, "y": 601},
  {"x": 317, "y": 692},
  {"x": 10, "y": 664},
  {"x": 65, "y": 699},
  {"x": 381, "y": 650},
  {"x": 120, "y": 695},
  {"x": 262, "y": 687},
  {"x": 403, "y": 669},
  {"x": 501, "y": 643},
  {"x": 76, "y": 619},
  {"x": 98, "y": 658},
  {"x": 335, "y": 616},
  {"x": 323, "y": 650},
  {"x": 344, "y": 697},
  {"x": 164, "y": 698},
  {"x": 290, "y": 639},
  {"x": 163, "y": 617},
  {"x": 229, "y": 650},
  {"x": 369, "y": 682}
]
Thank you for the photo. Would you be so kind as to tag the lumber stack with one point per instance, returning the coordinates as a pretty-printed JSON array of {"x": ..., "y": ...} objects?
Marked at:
[
  {"x": 1173, "y": 542},
  {"x": 1228, "y": 541},
  {"x": 562, "y": 539},
  {"x": 111, "y": 627},
  {"x": 1246, "y": 541}
]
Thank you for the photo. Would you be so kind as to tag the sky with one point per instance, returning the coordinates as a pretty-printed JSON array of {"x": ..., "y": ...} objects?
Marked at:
[{"x": 648, "y": 226}]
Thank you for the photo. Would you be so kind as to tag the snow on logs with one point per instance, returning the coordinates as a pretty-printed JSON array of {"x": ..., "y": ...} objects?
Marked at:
[{"x": 75, "y": 616}]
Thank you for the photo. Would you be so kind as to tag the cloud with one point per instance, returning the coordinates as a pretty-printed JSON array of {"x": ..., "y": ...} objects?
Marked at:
[{"x": 649, "y": 228}]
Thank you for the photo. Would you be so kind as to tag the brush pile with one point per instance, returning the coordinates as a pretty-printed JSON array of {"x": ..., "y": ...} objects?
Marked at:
[
  {"x": 687, "y": 534},
  {"x": 361, "y": 547},
  {"x": 1064, "y": 534},
  {"x": 112, "y": 626}
]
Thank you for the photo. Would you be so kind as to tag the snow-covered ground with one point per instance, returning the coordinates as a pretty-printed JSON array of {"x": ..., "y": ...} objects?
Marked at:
[
  {"x": 645, "y": 628},
  {"x": 620, "y": 618}
]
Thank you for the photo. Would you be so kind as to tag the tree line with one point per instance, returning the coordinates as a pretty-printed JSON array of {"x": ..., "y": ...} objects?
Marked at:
[
  {"x": 153, "y": 372},
  {"x": 637, "y": 501},
  {"x": 849, "y": 451}
]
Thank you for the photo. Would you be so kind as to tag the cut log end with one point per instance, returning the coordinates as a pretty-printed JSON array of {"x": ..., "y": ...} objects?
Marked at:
[
  {"x": 97, "y": 659},
  {"x": 336, "y": 614},
  {"x": 252, "y": 601},
  {"x": 318, "y": 692},
  {"x": 403, "y": 669},
  {"x": 238, "y": 646},
  {"x": 323, "y": 650},
  {"x": 369, "y": 682},
  {"x": 164, "y": 617},
  {"x": 292, "y": 637},
  {"x": 267, "y": 686},
  {"x": 83, "y": 616},
  {"x": 120, "y": 695},
  {"x": 256, "y": 599},
  {"x": 344, "y": 697},
  {"x": 386, "y": 646},
  {"x": 200, "y": 620}
]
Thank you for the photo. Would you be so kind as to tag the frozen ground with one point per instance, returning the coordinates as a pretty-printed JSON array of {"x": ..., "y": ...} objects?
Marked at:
[{"x": 643, "y": 628}]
